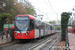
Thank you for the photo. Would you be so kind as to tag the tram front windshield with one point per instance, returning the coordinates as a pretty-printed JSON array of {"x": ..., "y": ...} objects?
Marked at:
[{"x": 21, "y": 23}]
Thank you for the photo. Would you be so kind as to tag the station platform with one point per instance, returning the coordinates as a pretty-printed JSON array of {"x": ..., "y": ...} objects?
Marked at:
[
  {"x": 5, "y": 40},
  {"x": 71, "y": 38}
]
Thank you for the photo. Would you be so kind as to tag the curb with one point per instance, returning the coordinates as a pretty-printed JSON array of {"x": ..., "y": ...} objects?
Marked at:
[{"x": 1, "y": 47}]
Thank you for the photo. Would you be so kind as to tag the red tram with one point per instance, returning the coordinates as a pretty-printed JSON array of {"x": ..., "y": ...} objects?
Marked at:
[{"x": 29, "y": 27}]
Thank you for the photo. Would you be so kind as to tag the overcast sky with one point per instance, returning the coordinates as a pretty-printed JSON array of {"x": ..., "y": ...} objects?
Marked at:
[{"x": 52, "y": 9}]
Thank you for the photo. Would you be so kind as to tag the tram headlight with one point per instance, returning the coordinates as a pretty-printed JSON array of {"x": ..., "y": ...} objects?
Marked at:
[
  {"x": 26, "y": 33},
  {"x": 15, "y": 33}
]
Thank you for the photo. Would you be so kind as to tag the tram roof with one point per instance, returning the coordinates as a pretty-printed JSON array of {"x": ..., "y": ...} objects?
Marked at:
[{"x": 30, "y": 16}]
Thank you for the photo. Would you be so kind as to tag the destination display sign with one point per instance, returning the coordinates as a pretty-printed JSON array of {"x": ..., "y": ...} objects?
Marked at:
[{"x": 22, "y": 18}]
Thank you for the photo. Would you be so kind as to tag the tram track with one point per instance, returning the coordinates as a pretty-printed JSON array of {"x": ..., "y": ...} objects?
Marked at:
[
  {"x": 42, "y": 45},
  {"x": 16, "y": 45},
  {"x": 28, "y": 45}
]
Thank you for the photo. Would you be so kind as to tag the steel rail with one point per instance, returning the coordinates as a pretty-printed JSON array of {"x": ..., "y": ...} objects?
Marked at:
[
  {"x": 53, "y": 43},
  {"x": 38, "y": 44},
  {"x": 43, "y": 42}
]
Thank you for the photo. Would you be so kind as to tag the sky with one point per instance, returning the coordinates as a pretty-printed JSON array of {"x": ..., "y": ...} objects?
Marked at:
[{"x": 52, "y": 9}]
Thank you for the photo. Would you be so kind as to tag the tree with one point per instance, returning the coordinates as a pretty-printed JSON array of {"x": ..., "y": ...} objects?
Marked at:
[
  {"x": 52, "y": 22},
  {"x": 3, "y": 19},
  {"x": 25, "y": 8},
  {"x": 64, "y": 24},
  {"x": 15, "y": 8},
  {"x": 1, "y": 6},
  {"x": 57, "y": 27},
  {"x": 20, "y": 9},
  {"x": 30, "y": 10},
  {"x": 8, "y": 6}
]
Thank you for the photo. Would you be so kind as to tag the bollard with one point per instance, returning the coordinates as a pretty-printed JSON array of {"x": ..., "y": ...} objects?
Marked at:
[
  {"x": 67, "y": 41},
  {"x": 2, "y": 35},
  {"x": 7, "y": 33},
  {"x": 12, "y": 34}
]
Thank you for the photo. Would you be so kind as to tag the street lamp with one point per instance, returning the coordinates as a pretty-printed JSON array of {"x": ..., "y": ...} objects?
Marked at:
[
  {"x": 73, "y": 8},
  {"x": 73, "y": 14}
]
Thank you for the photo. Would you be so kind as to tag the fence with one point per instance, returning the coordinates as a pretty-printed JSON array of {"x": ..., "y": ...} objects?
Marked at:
[{"x": 67, "y": 41}]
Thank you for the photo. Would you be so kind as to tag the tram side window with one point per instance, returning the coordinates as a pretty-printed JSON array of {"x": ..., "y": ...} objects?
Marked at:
[
  {"x": 31, "y": 26},
  {"x": 50, "y": 27}
]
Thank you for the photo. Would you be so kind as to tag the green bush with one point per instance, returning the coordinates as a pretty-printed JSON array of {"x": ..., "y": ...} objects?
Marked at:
[{"x": 64, "y": 24}]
